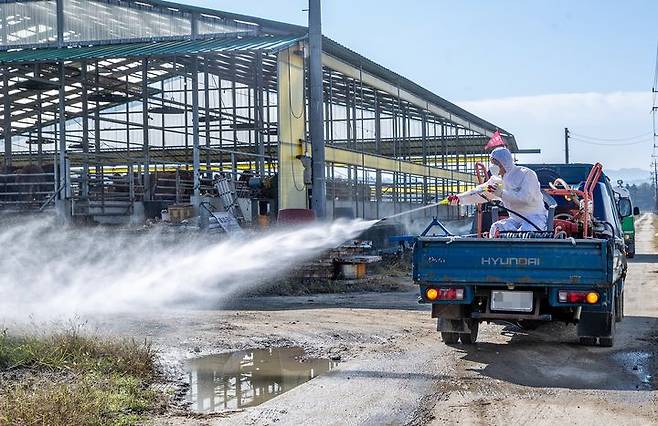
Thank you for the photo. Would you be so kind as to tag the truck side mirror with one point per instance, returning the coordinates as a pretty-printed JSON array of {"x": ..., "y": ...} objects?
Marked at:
[
  {"x": 624, "y": 205},
  {"x": 636, "y": 211}
]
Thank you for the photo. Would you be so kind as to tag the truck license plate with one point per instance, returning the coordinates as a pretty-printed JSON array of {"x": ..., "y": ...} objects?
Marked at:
[{"x": 516, "y": 301}]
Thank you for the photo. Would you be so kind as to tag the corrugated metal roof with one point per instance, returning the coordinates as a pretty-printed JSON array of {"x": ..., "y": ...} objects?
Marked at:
[{"x": 159, "y": 48}]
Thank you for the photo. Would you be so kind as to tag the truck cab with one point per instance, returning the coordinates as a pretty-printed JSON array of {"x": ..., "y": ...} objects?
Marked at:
[
  {"x": 627, "y": 212},
  {"x": 533, "y": 277}
]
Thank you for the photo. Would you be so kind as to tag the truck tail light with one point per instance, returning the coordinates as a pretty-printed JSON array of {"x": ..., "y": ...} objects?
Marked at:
[
  {"x": 572, "y": 296},
  {"x": 444, "y": 293}
]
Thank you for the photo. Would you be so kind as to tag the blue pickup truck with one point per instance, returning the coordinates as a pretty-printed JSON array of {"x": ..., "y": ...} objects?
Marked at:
[{"x": 575, "y": 277}]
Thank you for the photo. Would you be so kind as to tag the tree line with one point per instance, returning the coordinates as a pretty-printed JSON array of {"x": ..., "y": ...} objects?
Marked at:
[{"x": 643, "y": 196}]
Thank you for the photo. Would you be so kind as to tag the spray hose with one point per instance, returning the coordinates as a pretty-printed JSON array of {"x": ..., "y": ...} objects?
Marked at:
[
  {"x": 519, "y": 215},
  {"x": 445, "y": 202}
]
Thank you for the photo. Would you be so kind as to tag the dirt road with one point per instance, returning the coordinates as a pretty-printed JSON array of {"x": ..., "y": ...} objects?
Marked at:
[{"x": 394, "y": 368}]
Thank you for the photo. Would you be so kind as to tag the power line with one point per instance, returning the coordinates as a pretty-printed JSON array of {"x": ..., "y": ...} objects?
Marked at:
[
  {"x": 593, "y": 138},
  {"x": 610, "y": 144}
]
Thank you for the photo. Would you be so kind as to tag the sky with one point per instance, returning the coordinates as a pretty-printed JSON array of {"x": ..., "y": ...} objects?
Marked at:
[{"x": 530, "y": 67}]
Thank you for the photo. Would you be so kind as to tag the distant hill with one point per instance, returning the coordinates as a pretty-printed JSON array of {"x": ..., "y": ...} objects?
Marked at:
[{"x": 629, "y": 176}]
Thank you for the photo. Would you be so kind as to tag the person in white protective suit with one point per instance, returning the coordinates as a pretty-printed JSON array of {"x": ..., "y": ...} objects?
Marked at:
[{"x": 519, "y": 190}]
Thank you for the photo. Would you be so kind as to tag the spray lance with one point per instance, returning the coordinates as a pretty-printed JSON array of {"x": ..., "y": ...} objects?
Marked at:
[
  {"x": 477, "y": 194},
  {"x": 484, "y": 192}
]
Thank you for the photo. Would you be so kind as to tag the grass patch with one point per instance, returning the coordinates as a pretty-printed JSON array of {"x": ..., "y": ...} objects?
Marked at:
[{"x": 72, "y": 378}]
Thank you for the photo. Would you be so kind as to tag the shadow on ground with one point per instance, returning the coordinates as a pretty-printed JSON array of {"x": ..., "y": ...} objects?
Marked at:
[
  {"x": 551, "y": 357},
  {"x": 644, "y": 258}
]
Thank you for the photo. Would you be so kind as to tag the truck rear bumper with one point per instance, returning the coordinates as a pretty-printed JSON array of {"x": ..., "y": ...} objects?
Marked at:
[
  {"x": 460, "y": 311},
  {"x": 545, "y": 306},
  {"x": 535, "y": 316},
  {"x": 547, "y": 295}
]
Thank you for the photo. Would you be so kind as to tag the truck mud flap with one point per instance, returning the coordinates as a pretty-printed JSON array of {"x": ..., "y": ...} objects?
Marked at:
[
  {"x": 595, "y": 324},
  {"x": 452, "y": 325},
  {"x": 448, "y": 311}
]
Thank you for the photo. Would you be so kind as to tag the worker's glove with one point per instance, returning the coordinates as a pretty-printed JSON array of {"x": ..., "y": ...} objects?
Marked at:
[
  {"x": 495, "y": 189},
  {"x": 453, "y": 200}
]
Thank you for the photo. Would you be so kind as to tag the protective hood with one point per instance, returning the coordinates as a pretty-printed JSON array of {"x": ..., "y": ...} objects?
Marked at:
[{"x": 504, "y": 156}]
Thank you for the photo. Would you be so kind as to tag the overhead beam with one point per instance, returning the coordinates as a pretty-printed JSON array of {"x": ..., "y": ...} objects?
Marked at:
[
  {"x": 387, "y": 87},
  {"x": 376, "y": 162}
]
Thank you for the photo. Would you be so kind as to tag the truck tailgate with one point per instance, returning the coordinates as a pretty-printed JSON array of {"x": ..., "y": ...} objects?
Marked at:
[{"x": 510, "y": 261}]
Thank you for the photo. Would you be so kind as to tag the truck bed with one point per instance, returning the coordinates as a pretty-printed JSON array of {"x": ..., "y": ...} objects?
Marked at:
[{"x": 547, "y": 262}]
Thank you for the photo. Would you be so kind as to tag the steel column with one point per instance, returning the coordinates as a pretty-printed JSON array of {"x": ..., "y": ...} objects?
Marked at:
[
  {"x": 443, "y": 157},
  {"x": 424, "y": 136},
  {"x": 378, "y": 190},
  {"x": 37, "y": 74},
  {"x": 258, "y": 113},
  {"x": 219, "y": 124},
  {"x": 63, "y": 179},
  {"x": 131, "y": 176},
  {"x": 59, "y": 10},
  {"x": 234, "y": 111},
  {"x": 196, "y": 155},
  {"x": 97, "y": 137},
  {"x": 352, "y": 93},
  {"x": 4, "y": 32},
  {"x": 7, "y": 118},
  {"x": 84, "y": 190},
  {"x": 459, "y": 189},
  {"x": 196, "y": 158},
  {"x": 145, "y": 129},
  {"x": 206, "y": 101},
  {"x": 348, "y": 132},
  {"x": 319, "y": 200}
]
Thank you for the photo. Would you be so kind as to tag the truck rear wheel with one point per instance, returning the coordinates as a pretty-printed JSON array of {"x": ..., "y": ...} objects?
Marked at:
[
  {"x": 449, "y": 338},
  {"x": 619, "y": 306},
  {"x": 470, "y": 338}
]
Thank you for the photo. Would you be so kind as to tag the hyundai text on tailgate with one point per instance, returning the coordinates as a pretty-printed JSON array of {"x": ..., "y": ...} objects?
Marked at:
[{"x": 573, "y": 273}]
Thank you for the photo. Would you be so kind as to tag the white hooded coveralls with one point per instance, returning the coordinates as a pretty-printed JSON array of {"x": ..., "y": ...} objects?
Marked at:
[{"x": 520, "y": 192}]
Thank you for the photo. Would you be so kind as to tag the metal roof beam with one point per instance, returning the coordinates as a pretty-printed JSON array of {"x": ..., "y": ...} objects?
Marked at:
[{"x": 385, "y": 86}]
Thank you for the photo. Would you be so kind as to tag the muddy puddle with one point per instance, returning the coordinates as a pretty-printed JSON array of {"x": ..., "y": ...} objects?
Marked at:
[{"x": 248, "y": 378}]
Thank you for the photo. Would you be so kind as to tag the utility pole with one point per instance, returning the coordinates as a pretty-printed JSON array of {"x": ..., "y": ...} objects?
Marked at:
[
  {"x": 654, "y": 107},
  {"x": 566, "y": 145},
  {"x": 316, "y": 119},
  {"x": 655, "y": 183}
]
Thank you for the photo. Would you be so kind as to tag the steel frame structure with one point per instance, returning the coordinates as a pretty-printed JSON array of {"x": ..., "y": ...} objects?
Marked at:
[{"x": 98, "y": 123}]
